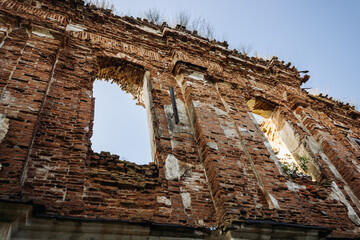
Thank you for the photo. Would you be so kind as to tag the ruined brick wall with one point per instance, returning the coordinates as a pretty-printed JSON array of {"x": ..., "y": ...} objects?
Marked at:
[{"x": 213, "y": 169}]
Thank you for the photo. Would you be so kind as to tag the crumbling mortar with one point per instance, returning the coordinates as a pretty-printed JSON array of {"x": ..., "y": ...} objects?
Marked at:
[
  {"x": 323, "y": 156},
  {"x": 270, "y": 199},
  {"x": 181, "y": 80},
  {"x": 101, "y": 191},
  {"x": 37, "y": 124}
]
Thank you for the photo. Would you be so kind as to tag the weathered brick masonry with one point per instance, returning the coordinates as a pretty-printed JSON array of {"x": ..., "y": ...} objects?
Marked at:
[{"x": 213, "y": 171}]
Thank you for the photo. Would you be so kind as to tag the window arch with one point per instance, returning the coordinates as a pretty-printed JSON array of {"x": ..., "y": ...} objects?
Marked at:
[{"x": 122, "y": 130}]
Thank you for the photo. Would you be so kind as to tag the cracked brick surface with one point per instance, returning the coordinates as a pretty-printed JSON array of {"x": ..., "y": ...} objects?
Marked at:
[{"x": 210, "y": 170}]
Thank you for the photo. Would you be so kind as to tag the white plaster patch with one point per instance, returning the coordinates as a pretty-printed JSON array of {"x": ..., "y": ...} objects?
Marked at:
[
  {"x": 38, "y": 4},
  {"x": 274, "y": 201},
  {"x": 197, "y": 103},
  {"x": 336, "y": 194},
  {"x": 314, "y": 147},
  {"x": 30, "y": 45},
  {"x": 197, "y": 76},
  {"x": 229, "y": 130},
  {"x": 42, "y": 33},
  {"x": 318, "y": 126},
  {"x": 173, "y": 144},
  {"x": 268, "y": 146},
  {"x": 4, "y": 126},
  {"x": 88, "y": 93},
  {"x": 75, "y": 28},
  {"x": 151, "y": 30},
  {"x": 294, "y": 187},
  {"x": 331, "y": 166},
  {"x": 172, "y": 169},
  {"x": 242, "y": 129},
  {"x": 257, "y": 89},
  {"x": 31, "y": 109},
  {"x": 237, "y": 58},
  {"x": 212, "y": 145},
  {"x": 164, "y": 200},
  {"x": 201, "y": 222},
  {"x": 219, "y": 112},
  {"x": 186, "y": 199},
  {"x": 352, "y": 196}
]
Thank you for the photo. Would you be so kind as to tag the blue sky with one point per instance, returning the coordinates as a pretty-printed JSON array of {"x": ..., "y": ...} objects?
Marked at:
[{"x": 320, "y": 36}]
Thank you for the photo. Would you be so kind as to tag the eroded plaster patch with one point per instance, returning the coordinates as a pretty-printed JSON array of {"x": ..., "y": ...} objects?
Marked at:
[
  {"x": 164, "y": 200},
  {"x": 186, "y": 199},
  {"x": 75, "y": 27},
  {"x": 274, "y": 202},
  {"x": 201, "y": 222},
  {"x": 336, "y": 194},
  {"x": 88, "y": 94},
  {"x": 294, "y": 186},
  {"x": 7, "y": 98},
  {"x": 38, "y": 4},
  {"x": 213, "y": 145},
  {"x": 197, "y": 103},
  {"x": 172, "y": 169},
  {"x": 42, "y": 33},
  {"x": 242, "y": 129},
  {"x": 316, "y": 149},
  {"x": 219, "y": 112},
  {"x": 197, "y": 76},
  {"x": 4, "y": 126},
  {"x": 229, "y": 130},
  {"x": 150, "y": 30}
]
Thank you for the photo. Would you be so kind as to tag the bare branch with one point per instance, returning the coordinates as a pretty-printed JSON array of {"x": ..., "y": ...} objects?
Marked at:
[
  {"x": 183, "y": 18},
  {"x": 154, "y": 15},
  {"x": 246, "y": 49},
  {"x": 203, "y": 27},
  {"x": 105, "y": 4}
]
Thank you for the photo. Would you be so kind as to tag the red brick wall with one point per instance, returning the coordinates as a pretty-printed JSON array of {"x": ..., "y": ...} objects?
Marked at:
[{"x": 224, "y": 171}]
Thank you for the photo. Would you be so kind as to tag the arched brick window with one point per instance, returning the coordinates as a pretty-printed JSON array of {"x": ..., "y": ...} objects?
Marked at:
[{"x": 119, "y": 112}]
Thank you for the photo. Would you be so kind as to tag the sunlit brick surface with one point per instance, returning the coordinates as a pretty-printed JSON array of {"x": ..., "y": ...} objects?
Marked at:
[{"x": 213, "y": 169}]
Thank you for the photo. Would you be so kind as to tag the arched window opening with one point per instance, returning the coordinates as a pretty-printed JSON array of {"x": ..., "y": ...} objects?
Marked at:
[
  {"x": 291, "y": 154},
  {"x": 120, "y": 116}
]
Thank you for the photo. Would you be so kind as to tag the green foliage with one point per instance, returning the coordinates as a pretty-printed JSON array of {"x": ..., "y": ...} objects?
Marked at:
[
  {"x": 303, "y": 162},
  {"x": 289, "y": 169}
]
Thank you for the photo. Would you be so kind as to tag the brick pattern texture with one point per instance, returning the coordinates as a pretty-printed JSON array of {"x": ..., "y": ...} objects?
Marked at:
[{"x": 211, "y": 169}]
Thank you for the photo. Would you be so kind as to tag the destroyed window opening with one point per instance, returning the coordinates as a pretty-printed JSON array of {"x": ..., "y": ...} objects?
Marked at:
[
  {"x": 289, "y": 164},
  {"x": 130, "y": 78}
]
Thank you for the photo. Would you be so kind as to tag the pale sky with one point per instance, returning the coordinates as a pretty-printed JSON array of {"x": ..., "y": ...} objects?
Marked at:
[{"x": 320, "y": 36}]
